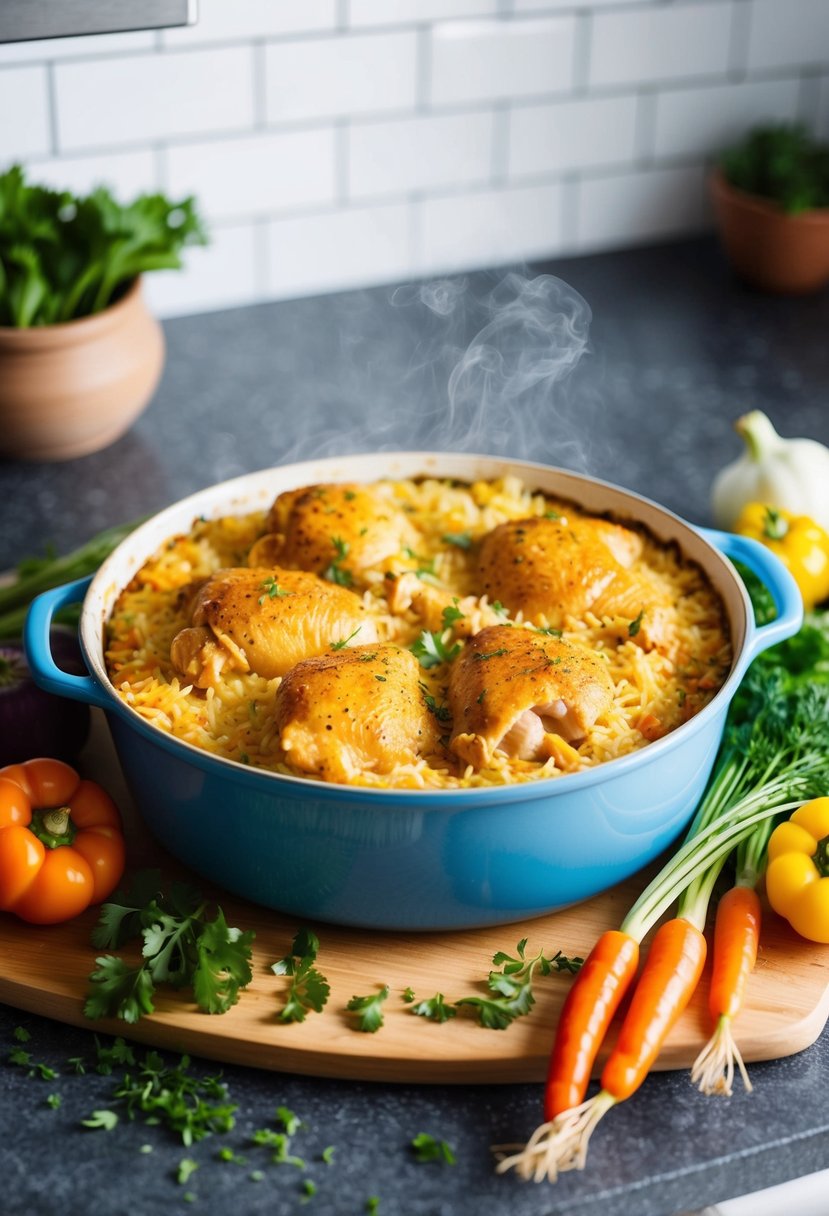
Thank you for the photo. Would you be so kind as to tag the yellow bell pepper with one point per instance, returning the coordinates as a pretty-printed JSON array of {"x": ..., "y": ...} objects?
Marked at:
[
  {"x": 797, "y": 878},
  {"x": 800, "y": 543}
]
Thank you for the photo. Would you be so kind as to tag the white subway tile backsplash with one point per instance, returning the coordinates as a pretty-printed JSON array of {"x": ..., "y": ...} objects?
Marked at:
[
  {"x": 256, "y": 174},
  {"x": 82, "y": 47},
  {"x": 562, "y": 136},
  {"x": 407, "y": 12},
  {"x": 638, "y": 207},
  {"x": 24, "y": 94},
  {"x": 126, "y": 174},
  {"x": 418, "y": 154},
  {"x": 338, "y": 143},
  {"x": 220, "y": 275},
  {"x": 702, "y": 122},
  {"x": 107, "y": 102},
  {"x": 660, "y": 43},
  {"x": 787, "y": 34},
  {"x": 490, "y": 60},
  {"x": 351, "y": 74},
  {"x": 340, "y": 249},
  {"x": 490, "y": 228},
  {"x": 227, "y": 20}
]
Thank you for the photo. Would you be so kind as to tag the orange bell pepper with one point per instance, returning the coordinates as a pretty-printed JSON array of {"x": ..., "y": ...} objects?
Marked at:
[{"x": 61, "y": 842}]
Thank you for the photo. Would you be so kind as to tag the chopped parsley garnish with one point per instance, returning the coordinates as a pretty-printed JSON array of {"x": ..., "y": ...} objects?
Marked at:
[
  {"x": 106, "y": 1120},
  {"x": 343, "y": 642},
  {"x": 181, "y": 947},
  {"x": 441, "y": 710},
  {"x": 369, "y": 1010},
  {"x": 491, "y": 654},
  {"x": 636, "y": 624},
  {"x": 462, "y": 540},
  {"x": 551, "y": 633},
  {"x": 432, "y": 648},
  {"x": 271, "y": 590},
  {"x": 335, "y": 572},
  {"x": 309, "y": 988}
]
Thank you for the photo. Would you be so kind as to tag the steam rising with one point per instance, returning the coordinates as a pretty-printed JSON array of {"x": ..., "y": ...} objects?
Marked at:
[
  {"x": 464, "y": 364},
  {"x": 506, "y": 388}
]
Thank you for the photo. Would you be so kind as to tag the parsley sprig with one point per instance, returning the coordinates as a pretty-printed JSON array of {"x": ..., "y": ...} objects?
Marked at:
[
  {"x": 511, "y": 989},
  {"x": 309, "y": 988},
  {"x": 369, "y": 1009},
  {"x": 182, "y": 946},
  {"x": 335, "y": 572},
  {"x": 433, "y": 646}
]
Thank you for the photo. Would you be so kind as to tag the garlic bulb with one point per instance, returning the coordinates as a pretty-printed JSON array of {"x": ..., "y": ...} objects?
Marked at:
[{"x": 792, "y": 474}]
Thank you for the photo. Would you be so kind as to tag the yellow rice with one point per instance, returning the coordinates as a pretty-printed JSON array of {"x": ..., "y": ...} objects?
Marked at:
[{"x": 655, "y": 692}]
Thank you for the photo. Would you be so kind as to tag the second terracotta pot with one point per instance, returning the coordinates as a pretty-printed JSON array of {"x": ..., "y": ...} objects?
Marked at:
[
  {"x": 786, "y": 254},
  {"x": 74, "y": 388}
]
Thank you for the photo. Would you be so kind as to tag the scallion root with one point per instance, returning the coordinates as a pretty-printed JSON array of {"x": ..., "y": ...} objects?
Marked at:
[
  {"x": 713, "y": 1070},
  {"x": 558, "y": 1145}
]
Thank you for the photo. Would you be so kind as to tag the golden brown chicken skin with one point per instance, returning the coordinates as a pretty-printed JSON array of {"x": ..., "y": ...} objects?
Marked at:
[
  {"x": 265, "y": 620},
  {"x": 549, "y": 568},
  {"x": 338, "y": 531},
  {"x": 511, "y": 688},
  {"x": 355, "y": 711}
]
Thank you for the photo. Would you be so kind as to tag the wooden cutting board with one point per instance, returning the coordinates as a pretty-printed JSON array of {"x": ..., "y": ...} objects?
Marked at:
[{"x": 44, "y": 971}]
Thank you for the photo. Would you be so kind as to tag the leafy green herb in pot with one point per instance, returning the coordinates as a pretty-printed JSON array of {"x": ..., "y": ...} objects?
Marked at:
[{"x": 64, "y": 256}]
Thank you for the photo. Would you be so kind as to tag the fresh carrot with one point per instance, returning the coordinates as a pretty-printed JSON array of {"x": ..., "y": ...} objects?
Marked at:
[
  {"x": 588, "y": 1009},
  {"x": 736, "y": 940},
  {"x": 669, "y": 977}
]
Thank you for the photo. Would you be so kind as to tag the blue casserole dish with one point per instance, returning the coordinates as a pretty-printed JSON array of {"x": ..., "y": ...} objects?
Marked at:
[{"x": 406, "y": 859}]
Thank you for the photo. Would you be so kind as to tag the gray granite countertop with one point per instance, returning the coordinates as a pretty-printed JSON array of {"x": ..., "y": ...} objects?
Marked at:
[{"x": 676, "y": 350}]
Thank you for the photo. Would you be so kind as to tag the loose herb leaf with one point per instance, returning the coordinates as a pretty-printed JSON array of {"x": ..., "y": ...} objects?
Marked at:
[
  {"x": 427, "y": 1148},
  {"x": 335, "y": 572},
  {"x": 369, "y": 1010},
  {"x": 309, "y": 988},
  {"x": 512, "y": 985},
  {"x": 435, "y": 1009},
  {"x": 104, "y": 1119},
  {"x": 636, "y": 624}
]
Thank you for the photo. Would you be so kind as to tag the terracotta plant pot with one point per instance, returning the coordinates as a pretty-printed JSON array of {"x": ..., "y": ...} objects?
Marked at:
[
  {"x": 74, "y": 388},
  {"x": 787, "y": 254}
]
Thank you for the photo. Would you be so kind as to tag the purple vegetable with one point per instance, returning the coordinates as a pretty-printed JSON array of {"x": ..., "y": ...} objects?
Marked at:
[{"x": 34, "y": 722}]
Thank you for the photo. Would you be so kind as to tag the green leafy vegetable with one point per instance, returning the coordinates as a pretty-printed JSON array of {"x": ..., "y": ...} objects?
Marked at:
[
  {"x": 181, "y": 947},
  {"x": 64, "y": 256},
  {"x": 186, "y": 1168},
  {"x": 427, "y": 1148},
  {"x": 309, "y": 988},
  {"x": 369, "y": 1010}
]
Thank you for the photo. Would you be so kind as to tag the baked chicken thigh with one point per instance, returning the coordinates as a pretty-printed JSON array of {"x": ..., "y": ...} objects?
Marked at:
[
  {"x": 265, "y": 620},
  {"x": 511, "y": 688}
]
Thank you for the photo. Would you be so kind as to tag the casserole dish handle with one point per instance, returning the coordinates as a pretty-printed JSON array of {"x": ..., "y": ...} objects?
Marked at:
[
  {"x": 774, "y": 575},
  {"x": 37, "y": 644}
]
